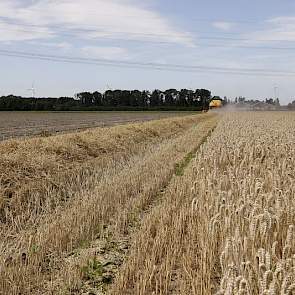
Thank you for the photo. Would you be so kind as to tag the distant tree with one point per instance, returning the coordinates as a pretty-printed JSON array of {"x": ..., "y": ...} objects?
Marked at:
[
  {"x": 170, "y": 97},
  {"x": 156, "y": 98},
  {"x": 183, "y": 98},
  {"x": 108, "y": 98},
  {"x": 86, "y": 98},
  {"x": 204, "y": 97},
  {"x": 145, "y": 97},
  {"x": 124, "y": 98},
  {"x": 270, "y": 101},
  {"x": 112, "y": 99},
  {"x": 118, "y": 98},
  {"x": 65, "y": 100},
  {"x": 225, "y": 101},
  {"x": 241, "y": 99},
  {"x": 136, "y": 99},
  {"x": 97, "y": 98},
  {"x": 191, "y": 97}
]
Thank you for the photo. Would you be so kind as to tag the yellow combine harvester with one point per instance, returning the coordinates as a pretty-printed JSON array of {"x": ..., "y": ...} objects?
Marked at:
[{"x": 216, "y": 103}]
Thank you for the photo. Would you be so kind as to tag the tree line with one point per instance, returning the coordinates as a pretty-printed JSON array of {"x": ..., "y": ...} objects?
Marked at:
[
  {"x": 271, "y": 101},
  {"x": 291, "y": 105},
  {"x": 171, "y": 99}
]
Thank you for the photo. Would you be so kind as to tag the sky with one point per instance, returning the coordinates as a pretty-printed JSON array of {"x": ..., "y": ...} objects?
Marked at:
[{"x": 231, "y": 47}]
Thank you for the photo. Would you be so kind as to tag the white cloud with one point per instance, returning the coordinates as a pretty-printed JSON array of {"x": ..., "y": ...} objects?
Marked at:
[
  {"x": 224, "y": 26},
  {"x": 276, "y": 29},
  {"x": 65, "y": 46},
  {"x": 13, "y": 32},
  {"x": 105, "y": 52},
  {"x": 111, "y": 18}
]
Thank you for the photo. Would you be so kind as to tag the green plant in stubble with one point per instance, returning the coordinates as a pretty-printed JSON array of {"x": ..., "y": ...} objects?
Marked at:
[
  {"x": 180, "y": 167},
  {"x": 34, "y": 249},
  {"x": 93, "y": 269}
]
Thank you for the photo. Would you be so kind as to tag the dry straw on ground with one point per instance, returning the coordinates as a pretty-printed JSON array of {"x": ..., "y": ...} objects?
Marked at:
[
  {"x": 28, "y": 166},
  {"x": 59, "y": 192}
]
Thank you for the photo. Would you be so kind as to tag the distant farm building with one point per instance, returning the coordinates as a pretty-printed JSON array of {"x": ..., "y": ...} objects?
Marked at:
[
  {"x": 256, "y": 106},
  {"x": 262, "y": 106}
]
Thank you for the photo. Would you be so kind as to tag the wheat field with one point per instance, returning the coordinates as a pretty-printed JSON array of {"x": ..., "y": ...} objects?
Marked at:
[
  {"x": 227, "y": 225},
  {"x": 195, "y": 205}
]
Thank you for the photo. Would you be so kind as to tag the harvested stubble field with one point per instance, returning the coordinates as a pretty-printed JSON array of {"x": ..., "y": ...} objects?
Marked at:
[
  {"x": 63, "y": 197},
  {"x": 20, "y": 124},
  {"x": 163, "y": 207}
]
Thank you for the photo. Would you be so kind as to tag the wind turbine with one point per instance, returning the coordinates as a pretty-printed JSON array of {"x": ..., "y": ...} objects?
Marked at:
[
  {"x": 276, "y": 91},
  {"x": 32, "y": 90},
  {"x": 109, "y": 87}
]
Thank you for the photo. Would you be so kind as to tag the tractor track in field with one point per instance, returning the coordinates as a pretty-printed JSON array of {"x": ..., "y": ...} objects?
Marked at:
[
  {"x": 85, "y": 220},
  {"x": 100, "y": 260}
]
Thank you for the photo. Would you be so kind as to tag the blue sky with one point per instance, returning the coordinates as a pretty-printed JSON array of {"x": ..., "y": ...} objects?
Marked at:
[{"x": 252, "y": 43}]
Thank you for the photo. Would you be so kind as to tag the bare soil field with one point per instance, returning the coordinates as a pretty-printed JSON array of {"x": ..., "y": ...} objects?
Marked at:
[{"x": 19, "y": 124}]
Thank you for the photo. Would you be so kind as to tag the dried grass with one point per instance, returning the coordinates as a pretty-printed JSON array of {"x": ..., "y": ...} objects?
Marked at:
[
  {"x": 66, "y": 189},
  {"x": 34, "y": 166}
]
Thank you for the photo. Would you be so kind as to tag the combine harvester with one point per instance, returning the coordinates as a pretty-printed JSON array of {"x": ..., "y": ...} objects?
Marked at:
[{"x": 216, "y": 103}]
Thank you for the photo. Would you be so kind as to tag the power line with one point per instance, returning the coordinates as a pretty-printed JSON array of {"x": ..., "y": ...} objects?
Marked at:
[
  {"x": 73, "y": 33},
  {"x": 150, "y": 65},
  {"x": 91, "y": 28},
  {"x": 201, "y": 20},
  {"x": 106, "y": 31},
  {"x": 61, "y": 33},
  {"x": 94, "y": 29},
  {"x": 249, "y": 47},
  {"x": 176, "y": 41},
  {"x": 245, "y": 39}
]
